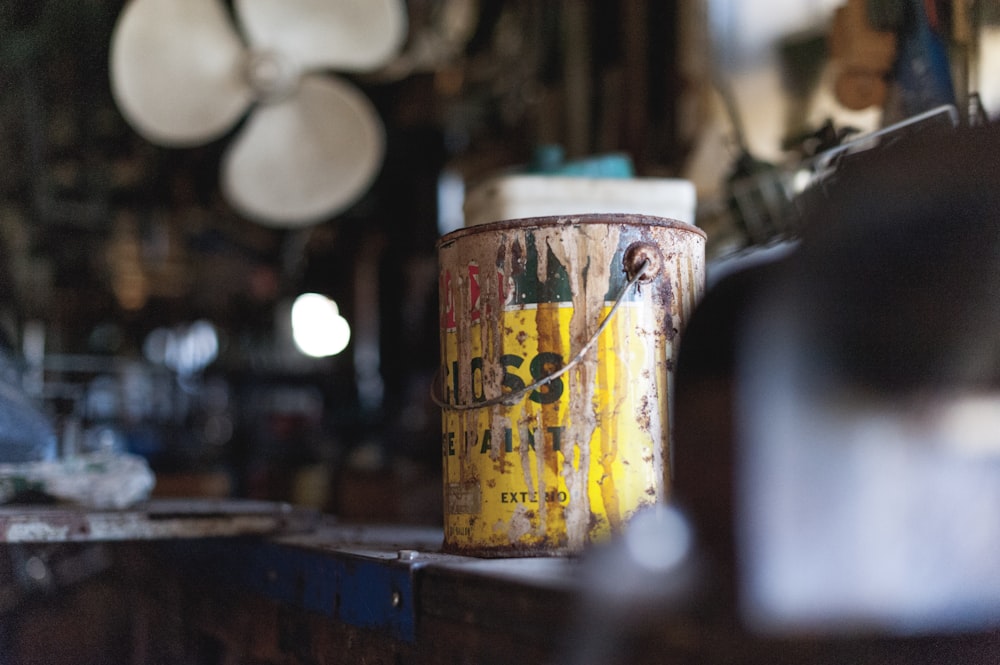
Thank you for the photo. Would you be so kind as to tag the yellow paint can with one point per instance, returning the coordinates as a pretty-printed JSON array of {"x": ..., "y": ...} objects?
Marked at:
[{"x": 558, "y": 336}]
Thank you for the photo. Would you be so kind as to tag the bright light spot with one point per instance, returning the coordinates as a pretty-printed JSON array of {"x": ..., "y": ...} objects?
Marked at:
[
  {"x": 317, "y": 326},
  {"x": 658, "y": 538},
  {"x": 184, "y": 349},
  {"x": 801, "y": 181},
  {"x": 989, "y": 63},
  {"x": 450, "y": 194},
  {"x": 972, "y": 423}
]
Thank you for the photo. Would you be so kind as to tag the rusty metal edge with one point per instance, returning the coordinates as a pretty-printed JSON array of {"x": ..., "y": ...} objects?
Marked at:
[
  {"x": 155, "y": 521},
  {"x": 570, "y": 220}
]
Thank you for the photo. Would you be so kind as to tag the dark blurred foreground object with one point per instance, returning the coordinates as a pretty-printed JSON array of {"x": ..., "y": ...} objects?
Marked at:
[{"x": 838, "y": 412}]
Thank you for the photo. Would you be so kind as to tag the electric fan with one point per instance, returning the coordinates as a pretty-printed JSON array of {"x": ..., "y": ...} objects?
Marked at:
[{"x": 185, "y": 72}]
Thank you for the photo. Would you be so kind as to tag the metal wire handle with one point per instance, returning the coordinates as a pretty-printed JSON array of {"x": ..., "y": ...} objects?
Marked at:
[{"x": 512, "y": 398}]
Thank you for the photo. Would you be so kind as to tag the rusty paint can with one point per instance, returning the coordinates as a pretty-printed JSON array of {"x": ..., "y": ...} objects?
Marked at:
[{"x": 558, "y": 336}]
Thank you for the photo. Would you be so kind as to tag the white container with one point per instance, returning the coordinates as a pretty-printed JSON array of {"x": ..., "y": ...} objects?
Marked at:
[{"x": 520, "y": 196}]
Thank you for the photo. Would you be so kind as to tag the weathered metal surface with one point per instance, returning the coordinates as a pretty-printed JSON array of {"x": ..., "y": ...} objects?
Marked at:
[
  {"x": 159, "y": 519},
  {"x": 366, "y": 591},
  {"x": 572, "y": 462},
  {"x": 164, "y": 602},
  {"x": 362, "y": 576}
]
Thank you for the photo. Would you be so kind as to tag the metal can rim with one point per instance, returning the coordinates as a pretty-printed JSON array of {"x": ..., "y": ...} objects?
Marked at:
[{"x": 529, "y": 223}]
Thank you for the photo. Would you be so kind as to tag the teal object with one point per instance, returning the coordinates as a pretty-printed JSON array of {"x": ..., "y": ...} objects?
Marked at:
[{"x": 550, "y": 159}]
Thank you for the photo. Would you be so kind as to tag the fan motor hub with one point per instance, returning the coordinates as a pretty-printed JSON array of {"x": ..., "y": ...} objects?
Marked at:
[{"x": 271, "y": 75}]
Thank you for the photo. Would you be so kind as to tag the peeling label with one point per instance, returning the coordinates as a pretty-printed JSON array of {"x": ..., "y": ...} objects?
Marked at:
[{"x": 462, "y": 499}]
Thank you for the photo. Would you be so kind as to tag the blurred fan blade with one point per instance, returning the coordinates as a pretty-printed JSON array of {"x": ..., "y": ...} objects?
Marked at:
[
  {"x": 348, "y": 35},
  {"x": 176, "y": 70},
  {"x": 299, "y": 161}
]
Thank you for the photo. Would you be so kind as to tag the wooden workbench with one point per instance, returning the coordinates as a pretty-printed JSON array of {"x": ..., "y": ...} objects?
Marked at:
[{"x": 265, "y": 583}]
